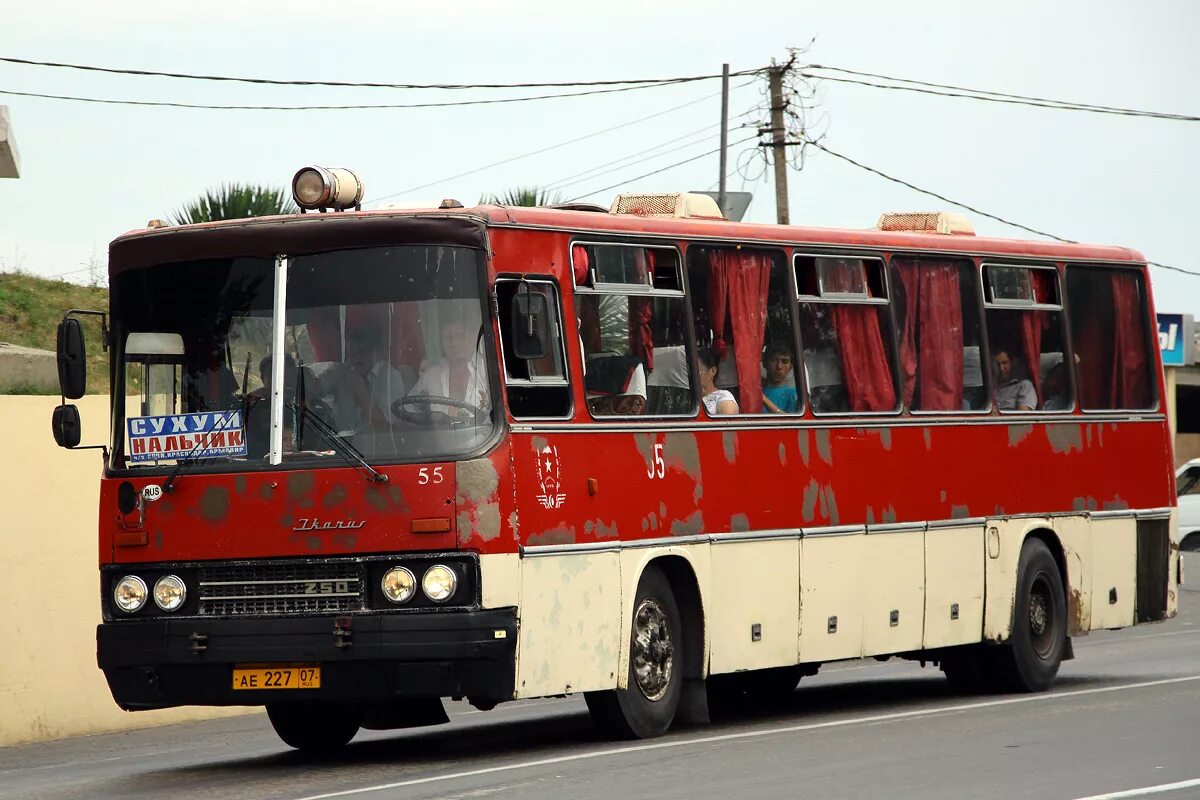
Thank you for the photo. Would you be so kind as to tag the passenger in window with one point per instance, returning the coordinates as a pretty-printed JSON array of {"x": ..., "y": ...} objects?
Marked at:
[
  {"x": 1058, "y": 398},
  {"x": 362, "y": 388},
  {"x": 716, "y": 401},
  {"x": 779, "y": 386},
  {"x": 1012, "y": 393}
]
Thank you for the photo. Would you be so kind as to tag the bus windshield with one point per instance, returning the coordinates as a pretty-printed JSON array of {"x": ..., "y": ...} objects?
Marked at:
[{"x": 384, "y": 349}]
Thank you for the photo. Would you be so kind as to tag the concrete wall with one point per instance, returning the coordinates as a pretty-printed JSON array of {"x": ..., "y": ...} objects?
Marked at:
[
  {"x": 27, "y": 370},
  {"x": 50, "y": 686}
]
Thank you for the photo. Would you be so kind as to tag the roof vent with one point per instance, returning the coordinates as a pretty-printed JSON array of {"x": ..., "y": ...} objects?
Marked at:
[
  {"x": 680, "y": 205},
  {"x": 927, "y": 222}
]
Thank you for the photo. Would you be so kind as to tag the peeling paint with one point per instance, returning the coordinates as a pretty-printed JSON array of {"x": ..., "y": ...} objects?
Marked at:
[
  {"x": 802, "y": 438},
  {"x": 487, "y": 521},
  {"x": 927, "y": 435},
  {"x": 539, "y": 443},
  {"x": 782, "y": 455},
  {"x": 1018, "y": 434},
  {"x": 463, "y": 520},
  {"x": 214, "y": 503},
  {"x": 476, "y": 480},
  {"x": 560, "y": 535},
  {"x": 346, "y": 541},
  {"x": 810, "y": 500},
  {"x": 266, "y": 491},
  {"x": 1085, "y": 504},
  {"x": 1065, "y": 437},
  {"x": 691, "y": 526},
  {"x": 239, "y": 484},
  {"x": 823, "y": 449},
  {"x": 885, "y": 438},
  {"x": 645, "y": 445},
  {"x": 300, "y": 488},
  {"x": 889, "y": 515},
  {"x": 729, "y": 440},
  {"x": 1116, "y": 504},
  {"x": 650, "y": 522},
  {"x": 942, "y": 495},
  {"x": 662, "y": 510},
  {"x": 1089, "y": 435},
  {"x": 831, "y": 502},
  {"x": 680, "y": 450},
  {"x": 739, "y": 522},
  {"x": 606, "y": 530},
  {"x": 959, "y": 512},
  {"x": 514, "y": 523},
  {"x": 870, "y": 515},
  {"x": 998, "y": 510}
]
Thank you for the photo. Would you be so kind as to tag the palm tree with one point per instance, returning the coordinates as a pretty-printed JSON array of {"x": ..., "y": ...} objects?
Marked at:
[
  {"x": 523, "y": 196},
  {"x": 235, "y": 201}
]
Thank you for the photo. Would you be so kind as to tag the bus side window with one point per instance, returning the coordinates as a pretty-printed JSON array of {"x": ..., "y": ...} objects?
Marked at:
[
  {"x": 632, "y": 327},
  {"x": 1114, "y": 361},
  {"x": 845, "y": 330},
  {"x": 938, "y": 326},
  {"x": 1025, "y": 336},
  {"x": 536, "y": 387},
  {"x": 742, "y": 311}
]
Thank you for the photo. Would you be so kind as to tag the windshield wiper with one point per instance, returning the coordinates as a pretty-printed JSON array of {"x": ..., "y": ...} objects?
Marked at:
[
  {"x": 181, "y": 462},
  {"x": 349, "y": 453}
]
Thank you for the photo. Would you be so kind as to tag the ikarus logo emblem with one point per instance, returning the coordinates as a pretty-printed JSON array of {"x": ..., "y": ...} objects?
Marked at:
[{"x": 314, "y": 524}]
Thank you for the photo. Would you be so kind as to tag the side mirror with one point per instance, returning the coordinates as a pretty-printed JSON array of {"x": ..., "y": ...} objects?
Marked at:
[
  {"x": 66, "y": 426},
  {"x": 530, "y": 324},
  {"x": 72, "y": 363}
]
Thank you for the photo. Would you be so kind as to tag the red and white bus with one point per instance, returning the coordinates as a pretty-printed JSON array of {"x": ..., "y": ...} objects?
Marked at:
[{"x": 639, "y": 453}]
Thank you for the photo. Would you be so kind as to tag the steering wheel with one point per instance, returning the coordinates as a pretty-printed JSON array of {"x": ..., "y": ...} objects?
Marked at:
[{"x": 427, "y": 419}]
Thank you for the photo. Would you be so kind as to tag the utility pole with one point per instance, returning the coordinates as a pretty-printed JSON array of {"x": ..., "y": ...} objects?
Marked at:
[
  {"x": 778, "y": 143},
  {"x": 724, "y": 136}
]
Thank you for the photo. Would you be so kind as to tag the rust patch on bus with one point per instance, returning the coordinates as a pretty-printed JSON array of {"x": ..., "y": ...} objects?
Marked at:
[
  {"x": 475, "y": 480},
  {"x": 214, "y": 503},
  {"x": 560, "y": 535},
  {"x": 1018, "y": 434},
  {"x": 335, "y": 496},
  {"x": 691, "y": 526},
  {"x": 802, "y": 438},
  {"x": 1075, "y": 612},
  {"x": 739, "y": 523},
  {"x": 823, "y": 446},
  {"x": 729, "y": 441},
  {"x": 1064, "y": 437},
  {"x": 959, "y": 512}
]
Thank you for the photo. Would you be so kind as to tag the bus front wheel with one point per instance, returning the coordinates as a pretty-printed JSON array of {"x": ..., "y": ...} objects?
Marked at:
[
  {"x": 314, "y": 728},
  {"x": 1030, "y": 660},
  {"x": 646, "y": 706}
]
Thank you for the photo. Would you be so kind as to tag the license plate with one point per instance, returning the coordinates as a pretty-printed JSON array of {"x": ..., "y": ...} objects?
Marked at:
[{"x": 277, "y": 676}]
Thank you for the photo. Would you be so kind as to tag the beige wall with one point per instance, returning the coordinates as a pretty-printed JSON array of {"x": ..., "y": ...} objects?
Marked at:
[{"x": 50, "y": 686}]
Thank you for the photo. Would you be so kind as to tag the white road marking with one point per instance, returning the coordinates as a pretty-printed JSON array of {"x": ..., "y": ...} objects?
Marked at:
[
  {"x": 1145, "y": 790},
  {"x": 616, "y": 751},
  {"x": 1123, "y": 639}
]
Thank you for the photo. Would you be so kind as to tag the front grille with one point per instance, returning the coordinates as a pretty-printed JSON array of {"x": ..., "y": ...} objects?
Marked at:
[{"x": 237, "y": 590}]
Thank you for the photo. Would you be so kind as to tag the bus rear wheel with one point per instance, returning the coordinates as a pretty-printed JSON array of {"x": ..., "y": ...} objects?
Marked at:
[
  {"x": 646, "y": 706},
  {"x": 314, "y": 728}
]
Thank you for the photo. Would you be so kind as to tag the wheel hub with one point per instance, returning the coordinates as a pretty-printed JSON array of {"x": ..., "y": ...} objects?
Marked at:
[{"x": 653, "y": 650}]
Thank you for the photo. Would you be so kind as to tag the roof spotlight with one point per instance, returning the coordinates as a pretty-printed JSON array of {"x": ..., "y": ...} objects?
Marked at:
[{"x": 327, "y": 187}]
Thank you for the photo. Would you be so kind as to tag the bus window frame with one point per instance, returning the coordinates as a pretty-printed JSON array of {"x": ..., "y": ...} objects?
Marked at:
[
  {"x": 841, "y": 299},
  {"x": 635, "y": 290},
  {"x": 525, "y": 383},
  {"x": 1064, "y": 332},
  {"x": 1156, "y": 407},
  {"x": 985, "y": 355}
]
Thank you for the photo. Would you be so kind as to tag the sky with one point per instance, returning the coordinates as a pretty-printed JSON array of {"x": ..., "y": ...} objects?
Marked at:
[{"x": 90, "y": 172}]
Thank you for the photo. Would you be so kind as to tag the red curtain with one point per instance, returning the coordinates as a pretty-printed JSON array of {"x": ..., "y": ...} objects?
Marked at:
[
  {"x": 737, "y": 290},
  {"x": 641, "y": 311},
  {"x": 1032, "y": 325},
  {"x": 1129, "y": 387},
  {"x": 580, "y": 260},
  {"x": 866, "y": 373},
  {"x": 324, "y": 332},
  {"x": 931, "y": 343}
]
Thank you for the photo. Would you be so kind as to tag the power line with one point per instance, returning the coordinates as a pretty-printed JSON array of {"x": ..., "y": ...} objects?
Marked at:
[
  {"x": 364, "y": 84},
  {"x": 970, "y": 208},
  {"x": 948, "y": 90},
  {"x": 358, "y": 107},
  {"x": 622, "y": 163},
  {"x": 552, "y": 147},
  {"x": 655, "y": 172}
]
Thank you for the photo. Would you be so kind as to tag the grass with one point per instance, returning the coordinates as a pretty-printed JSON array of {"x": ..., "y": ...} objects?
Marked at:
[{"x": 31, "y": 308}]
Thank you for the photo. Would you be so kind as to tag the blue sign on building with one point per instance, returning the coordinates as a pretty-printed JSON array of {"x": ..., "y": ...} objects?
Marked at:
[{"x": 1176, "y": 339}]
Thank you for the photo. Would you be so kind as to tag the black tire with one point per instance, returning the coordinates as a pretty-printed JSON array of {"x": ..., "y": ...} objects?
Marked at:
[
  {"x": 314, "y": 728},
  {"x": 1191, "y": 542},
  {"x": 1030, "y": 660},
  {"x": 646, "y": 707}
]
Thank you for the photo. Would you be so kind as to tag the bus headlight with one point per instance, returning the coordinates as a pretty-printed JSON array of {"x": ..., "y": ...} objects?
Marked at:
[
  {"x": 439, "y": 583},
  {"x": 398, "y": 585},
  {"x": 129, "y": 594},
  {"x": 169, "y": 592}
]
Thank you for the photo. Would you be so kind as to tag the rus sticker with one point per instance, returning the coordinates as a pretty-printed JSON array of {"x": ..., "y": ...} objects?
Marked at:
[{"x": 180, "y": 436}]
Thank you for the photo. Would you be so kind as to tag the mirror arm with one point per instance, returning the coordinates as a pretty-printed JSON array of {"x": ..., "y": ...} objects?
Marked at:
[{"x": 103, "y": 315}]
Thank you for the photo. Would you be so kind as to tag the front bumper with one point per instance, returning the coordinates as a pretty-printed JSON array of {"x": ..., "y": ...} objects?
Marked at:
[{"x": 164, "y": 662}]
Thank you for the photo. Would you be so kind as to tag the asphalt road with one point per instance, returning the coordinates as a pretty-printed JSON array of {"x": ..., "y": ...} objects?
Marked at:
[{"x": 1123, "y": 721}]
